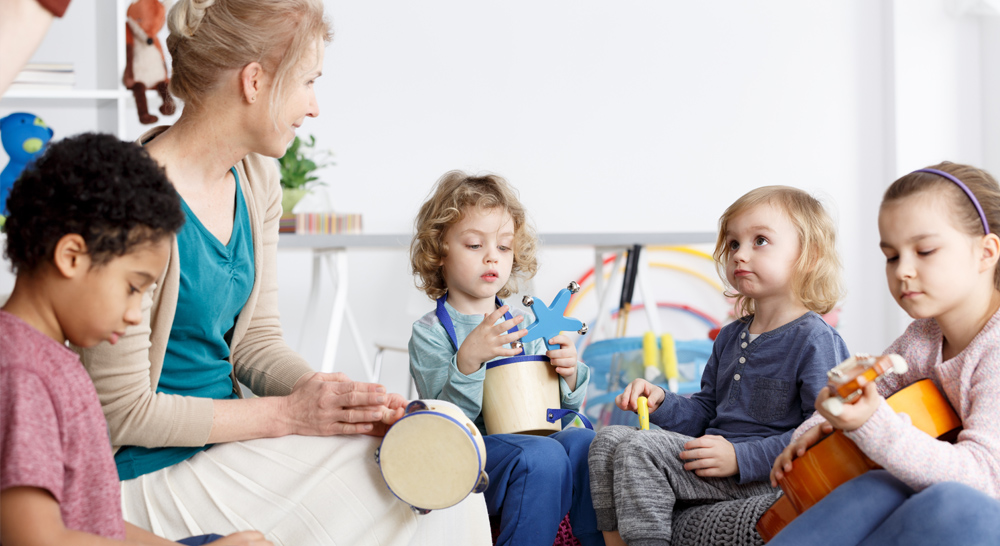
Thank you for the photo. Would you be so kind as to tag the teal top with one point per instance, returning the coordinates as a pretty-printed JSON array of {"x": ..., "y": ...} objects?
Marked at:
[{"x": 215, "y": 283}]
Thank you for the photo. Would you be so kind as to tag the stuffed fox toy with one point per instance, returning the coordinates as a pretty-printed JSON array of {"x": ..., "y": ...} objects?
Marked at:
[{"x": 145, "y": 66}]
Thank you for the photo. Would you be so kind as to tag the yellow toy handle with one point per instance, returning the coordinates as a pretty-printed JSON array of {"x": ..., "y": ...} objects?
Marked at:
[
  {"x": 650, "y": 356},
  {"x": 669, "y": 351},
  {"x": 643, "y": 413}
]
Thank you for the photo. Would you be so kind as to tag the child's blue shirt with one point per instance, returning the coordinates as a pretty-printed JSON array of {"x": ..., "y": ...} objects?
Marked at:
[
  {"x": 755, "y": 393},
  {"x": 434, "y": 365}
]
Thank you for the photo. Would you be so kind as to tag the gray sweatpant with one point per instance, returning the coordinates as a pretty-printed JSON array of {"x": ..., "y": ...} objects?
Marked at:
[{"x": 637, "y": 480}]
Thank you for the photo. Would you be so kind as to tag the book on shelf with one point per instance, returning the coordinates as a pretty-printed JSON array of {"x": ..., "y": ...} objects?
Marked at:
[
  {"x": 50, "y": 67},
  {"x": 320, "y": 223},
  {"x": 45, "y": 76},
  {"x": 39, "y": 76},
  {"x": 26, "y": 86}
]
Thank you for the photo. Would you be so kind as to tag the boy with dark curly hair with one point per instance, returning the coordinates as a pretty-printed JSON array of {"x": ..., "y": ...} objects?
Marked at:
[{"x": 88, "y": 234}]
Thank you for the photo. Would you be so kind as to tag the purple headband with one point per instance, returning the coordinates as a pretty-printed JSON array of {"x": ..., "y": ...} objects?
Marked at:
[{"x": 968, "y": 192}]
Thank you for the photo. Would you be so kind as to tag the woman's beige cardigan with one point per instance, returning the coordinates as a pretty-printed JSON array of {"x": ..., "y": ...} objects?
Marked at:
[{"x": 126, "y": 374}]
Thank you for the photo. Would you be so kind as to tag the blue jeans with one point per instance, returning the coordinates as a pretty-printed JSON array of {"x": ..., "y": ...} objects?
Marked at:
[
  {"x": 199, "y": 540},
  {"x": 876, "y": 509},
  {"x": 535, "y": 481}
]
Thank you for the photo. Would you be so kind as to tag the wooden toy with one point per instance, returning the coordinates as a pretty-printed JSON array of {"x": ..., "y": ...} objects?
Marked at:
[
  {"x": 521, "y": 393},
  {"x": 550, "y": 320},
  {"x": 643, "y": 411}
]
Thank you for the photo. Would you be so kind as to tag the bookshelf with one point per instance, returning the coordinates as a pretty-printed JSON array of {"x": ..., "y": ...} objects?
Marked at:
[{"x": 91, "y": 36}]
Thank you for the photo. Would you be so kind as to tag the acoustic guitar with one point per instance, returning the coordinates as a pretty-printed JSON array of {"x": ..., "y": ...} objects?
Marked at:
[{"x": 835, "y": 459}]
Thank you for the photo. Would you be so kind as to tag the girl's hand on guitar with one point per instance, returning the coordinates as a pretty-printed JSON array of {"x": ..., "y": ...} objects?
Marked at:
[
  {"x": 628, "y": 400},
  {"x": 714, "y": 457},
  {"x": 852, "y": 415},
  {"x": 796, "y": 449}
]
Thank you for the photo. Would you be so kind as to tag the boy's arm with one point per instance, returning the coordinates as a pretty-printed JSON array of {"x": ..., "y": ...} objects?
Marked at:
[
  {"x": 30, "y": 516},
  {"x": 691, "y": 416},
  {"x": 434, "y": 367}
]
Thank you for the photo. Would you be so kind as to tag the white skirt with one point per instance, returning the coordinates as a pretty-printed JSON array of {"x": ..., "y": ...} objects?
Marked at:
[{"x": 298, "y": 491}]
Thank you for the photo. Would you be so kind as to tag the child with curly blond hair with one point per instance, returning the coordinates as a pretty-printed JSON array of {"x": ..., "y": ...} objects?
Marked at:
[{"x": 472, "y": 247}]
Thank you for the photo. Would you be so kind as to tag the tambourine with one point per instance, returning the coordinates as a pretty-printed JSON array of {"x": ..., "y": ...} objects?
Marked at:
[{"x": 433, "y": 457}]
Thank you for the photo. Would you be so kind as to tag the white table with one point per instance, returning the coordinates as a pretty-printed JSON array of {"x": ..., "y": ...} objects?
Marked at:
[{"x": 332, "y": 250}]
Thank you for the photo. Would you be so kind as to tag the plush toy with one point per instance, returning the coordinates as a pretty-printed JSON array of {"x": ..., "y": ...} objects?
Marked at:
[
  {"x": 145, "y": 66},
  {"x": 24, "y": 138}
]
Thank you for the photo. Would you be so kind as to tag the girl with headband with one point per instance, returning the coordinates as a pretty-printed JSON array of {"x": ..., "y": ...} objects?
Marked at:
[{"x": 938, "y": 233}]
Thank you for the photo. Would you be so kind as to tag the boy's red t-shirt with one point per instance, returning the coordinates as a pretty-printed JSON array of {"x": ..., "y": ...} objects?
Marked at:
[{"x": 53, "y": 435}]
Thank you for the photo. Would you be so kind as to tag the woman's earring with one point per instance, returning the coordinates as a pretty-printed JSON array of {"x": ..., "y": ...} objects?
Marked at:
[{"x": 253, "y": 98}]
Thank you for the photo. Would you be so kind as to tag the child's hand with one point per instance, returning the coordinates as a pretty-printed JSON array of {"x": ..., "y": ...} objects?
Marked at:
[
  {"x": 628, "y": 399},
  {"x": 564, "y": 359},
  {"x": 488, "y": 341},
  {"x": 714, "y": 457},
  {"x": 797, "y": 449},
  {"x": 243, "y": 538},
  {"x": 392, "y": 411},
  {"x": 854, "y": 414}
]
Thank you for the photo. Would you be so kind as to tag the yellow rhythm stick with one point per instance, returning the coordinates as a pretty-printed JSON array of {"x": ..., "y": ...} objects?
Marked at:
[{"x": 643, "y": 413}]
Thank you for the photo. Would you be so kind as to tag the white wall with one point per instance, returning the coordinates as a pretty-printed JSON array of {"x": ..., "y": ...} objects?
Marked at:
[{"x": 637, "y": 116}]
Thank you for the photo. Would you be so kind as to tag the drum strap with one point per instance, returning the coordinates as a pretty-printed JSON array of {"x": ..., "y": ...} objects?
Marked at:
[{"x": 449, "y": 326}]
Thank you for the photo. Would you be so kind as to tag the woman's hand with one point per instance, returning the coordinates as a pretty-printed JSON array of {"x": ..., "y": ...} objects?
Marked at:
[
  {"x": 488, "y": 341},
  {"x": 852, "y": 415},
  {"x": 325, "y": 404},
  {"x": 628, "y": 399},
  {"x": 796, "y": 449},
  {"x": 564, "y": 359},
  {"x": 714, "y": 457}
]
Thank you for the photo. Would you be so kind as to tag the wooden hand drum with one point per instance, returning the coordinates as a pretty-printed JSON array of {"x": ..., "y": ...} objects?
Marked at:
[
  {"x": 433, "y": 457},
  {"x": 517, "y": 395}
]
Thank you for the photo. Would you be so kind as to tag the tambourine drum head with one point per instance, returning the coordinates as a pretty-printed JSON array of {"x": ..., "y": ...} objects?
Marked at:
[{"x": 429, "y": 461}]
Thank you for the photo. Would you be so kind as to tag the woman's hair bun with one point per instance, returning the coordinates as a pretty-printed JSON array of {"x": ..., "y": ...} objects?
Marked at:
[{"x": 186, "y": 16}]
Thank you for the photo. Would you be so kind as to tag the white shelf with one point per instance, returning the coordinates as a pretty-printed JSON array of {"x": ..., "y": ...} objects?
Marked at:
[{"x": 70, "y": 94}]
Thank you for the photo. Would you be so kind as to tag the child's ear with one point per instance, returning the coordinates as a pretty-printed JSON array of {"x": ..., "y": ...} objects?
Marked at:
[
  {"x": 71, "y": 256},
  {"x": 990, "y": 252}
]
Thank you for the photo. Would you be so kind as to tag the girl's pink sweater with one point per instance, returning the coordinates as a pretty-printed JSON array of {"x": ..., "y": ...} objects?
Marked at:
[{"x": 970, "y": 381}]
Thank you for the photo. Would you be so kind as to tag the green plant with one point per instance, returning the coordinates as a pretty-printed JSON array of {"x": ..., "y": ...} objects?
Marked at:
[{"x": 300, "y": 161}]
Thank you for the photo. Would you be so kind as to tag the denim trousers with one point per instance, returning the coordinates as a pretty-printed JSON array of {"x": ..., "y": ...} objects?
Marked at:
[
  {"x": 876, "y": 509},
  {"x": 535, "y": 481}
]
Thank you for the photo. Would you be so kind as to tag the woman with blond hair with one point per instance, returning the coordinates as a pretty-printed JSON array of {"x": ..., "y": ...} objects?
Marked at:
[{"x": 296, "y": 462}]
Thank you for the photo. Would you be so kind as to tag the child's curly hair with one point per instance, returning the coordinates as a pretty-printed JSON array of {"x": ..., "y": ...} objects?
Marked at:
[
  {"x": 452, "y": 195},
  {"x": 816, "y": 280},
  {"x": 108, "y": 191}
]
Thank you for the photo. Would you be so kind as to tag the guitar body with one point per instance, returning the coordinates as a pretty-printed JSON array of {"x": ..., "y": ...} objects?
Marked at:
[{"x": 836, "y": 459}]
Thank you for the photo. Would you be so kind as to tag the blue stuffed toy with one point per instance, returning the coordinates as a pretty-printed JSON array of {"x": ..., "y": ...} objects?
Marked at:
[{"x": 24, "y": 138}]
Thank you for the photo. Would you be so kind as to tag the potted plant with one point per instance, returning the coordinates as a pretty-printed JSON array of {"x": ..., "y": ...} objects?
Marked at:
[{"x": 297, "y": 167}]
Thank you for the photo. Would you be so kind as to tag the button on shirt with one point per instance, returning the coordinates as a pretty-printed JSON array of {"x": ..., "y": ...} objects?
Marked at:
[{"x": 756, "y": 390}]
